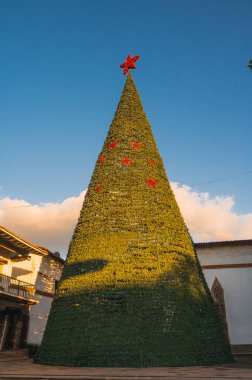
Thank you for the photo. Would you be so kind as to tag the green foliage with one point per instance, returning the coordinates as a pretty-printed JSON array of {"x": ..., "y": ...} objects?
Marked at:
[
  {"x": 132, "y": 292},
  {"x": 250, "y": 64}
]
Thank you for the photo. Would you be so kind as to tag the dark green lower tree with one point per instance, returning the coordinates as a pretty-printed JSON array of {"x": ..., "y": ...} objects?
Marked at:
[{"x": 132, "y": 292}]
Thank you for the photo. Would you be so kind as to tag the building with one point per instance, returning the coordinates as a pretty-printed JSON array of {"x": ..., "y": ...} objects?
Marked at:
[
  {"x": 227, "y": 266},
  {"x": 28, "y": 278}
]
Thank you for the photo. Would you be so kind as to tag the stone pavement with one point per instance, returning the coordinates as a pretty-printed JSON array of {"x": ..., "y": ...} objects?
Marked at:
[{"x": 24, "y": 368}]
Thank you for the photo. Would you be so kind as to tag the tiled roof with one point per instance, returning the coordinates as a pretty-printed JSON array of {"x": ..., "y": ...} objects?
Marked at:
[
  {"x": 56, "y": 257},
  {"x": 25, "y": 245},
  {"x": 223, "y": 243}
]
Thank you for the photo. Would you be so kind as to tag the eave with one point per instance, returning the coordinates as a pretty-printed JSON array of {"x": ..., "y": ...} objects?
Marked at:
[
  {"x": 18, "y": 245},
  {"x": 18, "y": 299},
  {"x": 225, "y": 243}
]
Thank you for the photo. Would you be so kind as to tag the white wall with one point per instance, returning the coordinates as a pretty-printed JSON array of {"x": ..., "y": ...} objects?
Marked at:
[
  {"x": 38, "y": 319},
  {"x": 237, "y": 285},
  {"x": 41, "y": 271},
  {"x": 47, "y": 270}
]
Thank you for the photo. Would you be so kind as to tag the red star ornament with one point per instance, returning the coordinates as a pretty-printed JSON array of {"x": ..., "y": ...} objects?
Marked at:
[
  {"x": 98, "y": 188},
  {"x": 101, "y": 159},
  {"x": 152, "y": 162},
  {"x": 126, "y": 161},
  {"x": 113, "y": 145},
  {"x": 151, "y": 183},
  {"x": 136, "y": 145},
  {"x": 129, "y": 63}
]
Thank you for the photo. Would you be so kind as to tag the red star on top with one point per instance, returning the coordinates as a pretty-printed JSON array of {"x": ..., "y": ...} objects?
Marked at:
[
  {"x": 113, "y": 145},
  {"x": 136, "y": 145},
  {"x": 126, "y": 161},
  {"x": 101, "y": 159},
  {"x": 129, "y": 63},
  {"x": 151, "y": 183}
]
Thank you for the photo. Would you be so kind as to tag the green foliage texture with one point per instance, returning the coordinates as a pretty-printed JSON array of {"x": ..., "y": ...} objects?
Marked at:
[{"x": 132, "y": 293}]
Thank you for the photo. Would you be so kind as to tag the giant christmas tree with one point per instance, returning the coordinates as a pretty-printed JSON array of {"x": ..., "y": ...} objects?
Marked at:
[{"x": 132, "y": 292}]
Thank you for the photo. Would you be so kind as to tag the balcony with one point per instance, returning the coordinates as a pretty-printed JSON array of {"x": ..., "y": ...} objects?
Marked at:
[{"x": 12, "y": 288}]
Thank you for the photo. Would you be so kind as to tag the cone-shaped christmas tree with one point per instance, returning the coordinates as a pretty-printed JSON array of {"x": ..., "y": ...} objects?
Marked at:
[{"x": 132, "y": 292}]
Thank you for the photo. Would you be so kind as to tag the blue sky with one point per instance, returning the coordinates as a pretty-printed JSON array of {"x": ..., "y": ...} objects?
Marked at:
[{"x": 60, "y": 83}]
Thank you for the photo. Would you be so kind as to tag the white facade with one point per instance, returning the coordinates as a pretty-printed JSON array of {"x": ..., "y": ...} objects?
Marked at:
[
  {"x": 38, "y": 318},
  {"x": 28, "y": 275},
  {"x": 231, "y": 264},
  {"x": 48, "y": 271}
]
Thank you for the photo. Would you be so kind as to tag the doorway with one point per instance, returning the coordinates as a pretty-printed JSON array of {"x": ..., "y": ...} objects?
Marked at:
[{"x": 13, "y": 329}]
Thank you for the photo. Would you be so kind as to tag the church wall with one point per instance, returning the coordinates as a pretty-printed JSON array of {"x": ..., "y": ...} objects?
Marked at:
[
  {"x": 225, "y": 255},
  {"x": 236, "y": 282}
]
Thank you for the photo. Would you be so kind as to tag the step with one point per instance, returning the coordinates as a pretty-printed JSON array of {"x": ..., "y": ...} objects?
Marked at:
[{"x": 15, "y": 353}]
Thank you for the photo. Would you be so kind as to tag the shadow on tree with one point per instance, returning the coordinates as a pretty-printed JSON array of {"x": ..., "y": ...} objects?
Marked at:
[
  {"x": 168, "y": 324},
  {"x": 83, "y": 267}
]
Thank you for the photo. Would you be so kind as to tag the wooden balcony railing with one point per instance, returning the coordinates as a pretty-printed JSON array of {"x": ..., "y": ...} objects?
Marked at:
[{"x": 16, "y": 287}]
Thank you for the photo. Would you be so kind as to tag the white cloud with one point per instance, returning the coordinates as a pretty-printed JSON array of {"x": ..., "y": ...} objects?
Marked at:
[
  {"x": 51, "y": 225},
  {"x": 212, "y": 218}
]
